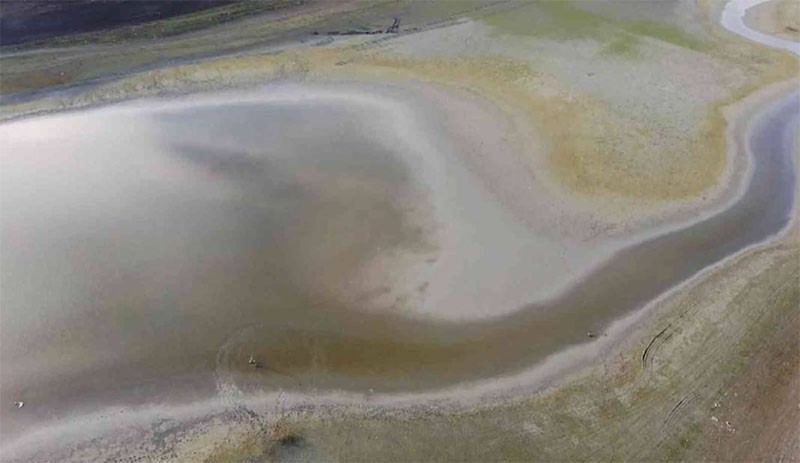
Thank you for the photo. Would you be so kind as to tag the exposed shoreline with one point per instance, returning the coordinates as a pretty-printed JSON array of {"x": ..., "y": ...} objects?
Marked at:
[
  {"x": 734, "y": 16},
  {"x": 552, "y": 371},
  {"x": 620, "y": 332},
  {"x": 774, "y": 17}
]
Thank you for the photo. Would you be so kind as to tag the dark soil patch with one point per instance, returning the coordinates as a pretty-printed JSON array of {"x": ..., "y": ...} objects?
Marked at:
[{"x": 28, "y": 20}]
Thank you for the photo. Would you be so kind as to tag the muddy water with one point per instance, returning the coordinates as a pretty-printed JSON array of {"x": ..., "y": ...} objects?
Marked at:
[
  {"x": 144, "y": 252},
  {"x": 387, "y": 354},
  {"x": 134, "y": 243}
]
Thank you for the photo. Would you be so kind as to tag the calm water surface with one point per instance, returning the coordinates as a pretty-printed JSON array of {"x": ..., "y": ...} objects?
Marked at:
[{"x": 144, "y": 251}]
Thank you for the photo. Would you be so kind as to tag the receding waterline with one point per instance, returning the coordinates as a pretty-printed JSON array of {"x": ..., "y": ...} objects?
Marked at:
[
  {"x": 204, "y": 277},
  {"x": 390, "y": 353}
]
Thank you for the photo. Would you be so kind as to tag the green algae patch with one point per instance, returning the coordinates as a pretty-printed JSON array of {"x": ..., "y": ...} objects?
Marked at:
[
  {"x": 665, "y": 33},
  {"x": 556, "y": 20},
  {"x": 560, "y": 20},
  {"x": 624, "y": 46}
]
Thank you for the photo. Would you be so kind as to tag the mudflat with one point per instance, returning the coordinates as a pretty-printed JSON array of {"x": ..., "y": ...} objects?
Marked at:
[
  {"x": 403, "y": 232},
  {"x": 233, "y": 225}
]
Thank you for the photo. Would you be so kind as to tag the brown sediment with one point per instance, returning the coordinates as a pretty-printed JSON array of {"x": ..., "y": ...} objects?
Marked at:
[
  {"x": 319, "y": 343},
  {"x": 379, "y": 347},
  {"x": 382, "y": 351},
  {"x": 730, "y": 362}
]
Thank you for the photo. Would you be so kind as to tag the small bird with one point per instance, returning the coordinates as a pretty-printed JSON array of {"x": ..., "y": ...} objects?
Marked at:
[{"x": 19, "y": 404}]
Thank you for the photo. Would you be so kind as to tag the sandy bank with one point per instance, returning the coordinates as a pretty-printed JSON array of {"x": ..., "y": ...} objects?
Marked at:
[
  {"x": 734, "y": 16},
  {"x": 780, "y": 18}
]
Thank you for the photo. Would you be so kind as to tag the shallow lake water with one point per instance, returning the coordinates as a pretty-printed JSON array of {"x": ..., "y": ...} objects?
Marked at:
[
  {"x": 135, "y": 242},
  {"x": 144, "y": 252}
]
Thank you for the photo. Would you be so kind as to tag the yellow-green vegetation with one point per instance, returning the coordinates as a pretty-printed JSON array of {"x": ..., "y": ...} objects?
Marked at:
[
  {"x": 665, "y": 33},
  {"x": 560, "y": 20},
  {"x": 595, "y": 149},
  {"x": 624, "y": 45}
]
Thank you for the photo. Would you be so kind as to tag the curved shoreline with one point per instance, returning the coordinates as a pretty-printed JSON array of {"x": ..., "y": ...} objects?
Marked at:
[
  {"x": 499, "y": 337},
  {"x": 774, "y": 18},
  {"x": 378, "y": 398},
  {"x": 733, "y": 20},
  {"x": 529, "y": 380}
]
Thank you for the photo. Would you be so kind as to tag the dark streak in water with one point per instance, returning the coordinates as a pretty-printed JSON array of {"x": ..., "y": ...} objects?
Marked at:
[
  {"x": 225, "y": 163},
  {"x": 391, "y": 354},
  {"x": 243, "y": 271}
]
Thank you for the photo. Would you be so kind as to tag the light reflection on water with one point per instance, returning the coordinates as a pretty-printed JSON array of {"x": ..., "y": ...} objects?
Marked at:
[
  {"x": 134, "y": 251},
  {"x": 137, "y": 242}
]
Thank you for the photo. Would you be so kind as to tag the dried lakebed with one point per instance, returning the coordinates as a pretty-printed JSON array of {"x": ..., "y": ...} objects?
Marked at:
[{"x": 148, "y": 252}]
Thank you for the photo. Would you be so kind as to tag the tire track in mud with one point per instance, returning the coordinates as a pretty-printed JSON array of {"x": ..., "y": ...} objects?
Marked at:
[
  {"x": 707, "y": 378},
  {"x": 662, "y": 401}
]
